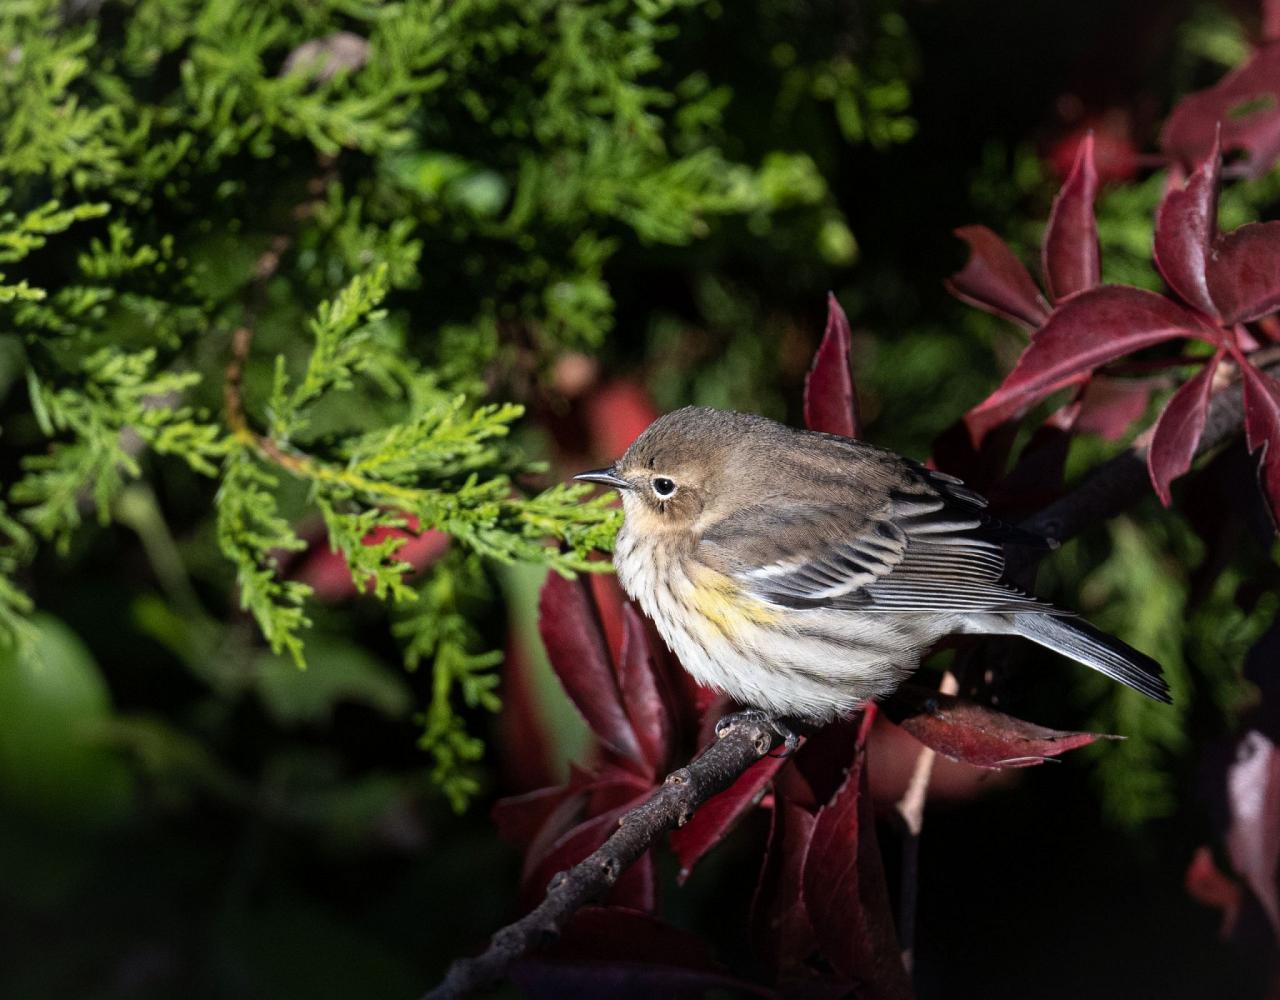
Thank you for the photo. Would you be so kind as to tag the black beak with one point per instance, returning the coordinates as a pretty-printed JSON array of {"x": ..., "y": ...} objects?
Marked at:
[{"x": 605, "y": 477}]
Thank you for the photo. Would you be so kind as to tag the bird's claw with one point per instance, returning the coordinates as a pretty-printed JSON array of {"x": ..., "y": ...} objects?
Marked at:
[{"x": 790, "y": 740}]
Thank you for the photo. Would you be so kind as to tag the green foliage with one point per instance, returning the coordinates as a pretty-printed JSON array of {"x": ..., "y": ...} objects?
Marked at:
[
  {"x": 437, "y": 628},
  {"x": 392, "y": 220}
]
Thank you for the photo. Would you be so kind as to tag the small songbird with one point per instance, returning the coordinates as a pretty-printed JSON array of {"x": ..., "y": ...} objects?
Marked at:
[{"x": 805, "y": 574}]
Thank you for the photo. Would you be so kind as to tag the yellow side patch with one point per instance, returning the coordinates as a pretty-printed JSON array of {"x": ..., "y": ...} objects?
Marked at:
[{"x": 722, "y": 602}]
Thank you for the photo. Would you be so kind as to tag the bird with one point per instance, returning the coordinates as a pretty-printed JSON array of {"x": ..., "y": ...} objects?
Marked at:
[{"x": 805, "y": 574}]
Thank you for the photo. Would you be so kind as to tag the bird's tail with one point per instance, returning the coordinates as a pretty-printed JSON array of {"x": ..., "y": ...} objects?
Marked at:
[{"x": 1104, "y": 653}]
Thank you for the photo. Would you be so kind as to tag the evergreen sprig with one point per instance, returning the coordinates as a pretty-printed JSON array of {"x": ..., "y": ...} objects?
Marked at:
[{"x": 404, "y": 213}]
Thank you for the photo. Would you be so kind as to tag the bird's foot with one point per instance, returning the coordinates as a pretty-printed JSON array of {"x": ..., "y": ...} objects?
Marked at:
[{"x": 790, "y": 740}]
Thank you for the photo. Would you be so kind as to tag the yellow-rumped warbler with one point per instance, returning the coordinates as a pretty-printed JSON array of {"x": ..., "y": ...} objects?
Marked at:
[{"x": 805, "y": 574}]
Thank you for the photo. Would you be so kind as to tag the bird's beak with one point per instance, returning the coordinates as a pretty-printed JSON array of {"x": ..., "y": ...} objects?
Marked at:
[{"x": 605, "y": 477}]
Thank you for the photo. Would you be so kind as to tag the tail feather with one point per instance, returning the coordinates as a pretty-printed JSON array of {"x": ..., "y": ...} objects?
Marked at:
[{"x": 1104, "y": 653}]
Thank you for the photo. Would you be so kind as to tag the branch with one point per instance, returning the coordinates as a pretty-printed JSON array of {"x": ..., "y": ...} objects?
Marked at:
[
  {"x": 684, "y": 790},
  {"x": 1112, "y": 487},
  {"x": 910, "y": 809},
  {"x": 1123, "y": 480}
]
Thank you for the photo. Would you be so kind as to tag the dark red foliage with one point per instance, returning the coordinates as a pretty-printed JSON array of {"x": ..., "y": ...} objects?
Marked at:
[
  {"x": 822, "y": 890},
  {"x": 616, "y": 414},
  {"x": 978, "y": 735},
  {"x": 651, "y": 717},
  {"x": 1178, "y": 430},
  {"x": 1244, "y": 278},
  {"x": 1206, "y": 883},
  {"x": 844, "y": 888},
  {"x": 780, "y": 925},
  {"x": 1110, "y": 406},
  {"x": 710, "y": 824},
  {"x": 1244, "y": 104},
  {"x": 830, "y": 397},
  {"x": 1114, "y": 153},
  {"x": 995, "y": 280},
  {"x": 571, "y": 631},
  {"x": 1262, "y": 427},
  {"x": 1225, "y": 280},
  {"x": 1186, "y": 223},
  {"x": 1070, "y": 252},
  {"x": 1082, "y": 334}
]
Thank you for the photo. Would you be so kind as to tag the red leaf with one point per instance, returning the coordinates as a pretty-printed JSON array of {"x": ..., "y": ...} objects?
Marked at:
[
  {"x": 1207, "y": 884},
  {"x": 543, "y": 862},
  {"x": 1186, "y": 224},
  {"x": 976, "y": 734},
  {"x": 998, "y": 409},
  {"x": 1244, "y": 272},
  {"x": 1262, "y": 427},
  {"x": 1036, "y": 479},
  {"x": 575, "y": 644},
  {"x": 780, "y": 926},
  {"x": 616, "y": 414},
  {"x": 521, "y": 818},
  {"x": 1271, "y": 20},
  {"x": 1110, "y": 406},
  {"x": 1253, "y": 840},
  {"x": 845, "y": 892},
  {"x": 609, "y": 599},
  {"x": 1178, "y": 430},
  {"x": 1245, "y": 104},
  {"x": 1084, "y": 332},
  {"x": 718, "y": 815},
  {"x": 830, "y": 397},
  {"x": 641, "y": 695},
  {"x": 1070, "y": 252},
  {"x": 995, "y": 280},
  {"x": 1114, "y": 152}
]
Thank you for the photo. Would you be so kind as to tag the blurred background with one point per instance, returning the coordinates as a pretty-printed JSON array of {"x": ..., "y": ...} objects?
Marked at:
[{"x": 598, "y": 211}]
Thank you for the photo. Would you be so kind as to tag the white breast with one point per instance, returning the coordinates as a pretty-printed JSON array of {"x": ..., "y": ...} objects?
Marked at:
[{"x": 816, "y": 664}]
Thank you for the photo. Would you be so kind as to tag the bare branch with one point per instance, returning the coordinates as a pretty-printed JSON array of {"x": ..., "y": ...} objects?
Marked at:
[
  {"x": 741, "y": 745},
  {"x": 911, "y": 810}
]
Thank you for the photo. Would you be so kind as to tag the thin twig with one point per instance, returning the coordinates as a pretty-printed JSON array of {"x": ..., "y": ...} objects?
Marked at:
[
  {"x": 1111, "y": 488},
  {"x": 911, "y": 810},
  {"x": 741, "y": 745}
]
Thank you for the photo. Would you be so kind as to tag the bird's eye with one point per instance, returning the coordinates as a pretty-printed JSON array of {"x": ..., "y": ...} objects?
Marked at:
[{"x": 664, "y": 487}]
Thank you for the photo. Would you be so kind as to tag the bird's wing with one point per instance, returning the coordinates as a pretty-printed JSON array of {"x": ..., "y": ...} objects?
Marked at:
[{"x": 927, "y": 546}]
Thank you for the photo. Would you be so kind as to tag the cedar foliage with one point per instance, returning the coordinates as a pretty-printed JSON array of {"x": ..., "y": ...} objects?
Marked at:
[{"x": 399, "y": 207}]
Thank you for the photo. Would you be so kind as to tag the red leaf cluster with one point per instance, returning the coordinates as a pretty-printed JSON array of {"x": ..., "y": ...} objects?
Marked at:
[
  {"x": 1222, "y": 283},
  {"x": 822, "y": 898}
]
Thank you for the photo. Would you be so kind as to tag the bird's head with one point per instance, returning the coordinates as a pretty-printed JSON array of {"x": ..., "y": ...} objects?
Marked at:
[{"x": 686, "y": 466}]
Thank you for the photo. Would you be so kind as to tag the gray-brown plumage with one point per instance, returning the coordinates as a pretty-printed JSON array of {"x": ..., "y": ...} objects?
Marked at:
[{"x": 806, "y": 573}]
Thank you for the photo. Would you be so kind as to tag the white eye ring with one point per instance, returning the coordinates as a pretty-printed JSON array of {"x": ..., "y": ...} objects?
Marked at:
[{"x": 663, "y": 487}]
